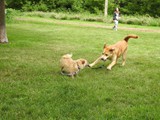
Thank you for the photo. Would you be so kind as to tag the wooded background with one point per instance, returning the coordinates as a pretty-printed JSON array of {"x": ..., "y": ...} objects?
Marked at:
[{"x": 127, "y": 7}]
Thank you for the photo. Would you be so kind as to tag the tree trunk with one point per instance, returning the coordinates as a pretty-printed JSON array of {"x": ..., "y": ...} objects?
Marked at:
[
  {"x": 3, "y": 35},
  {"x": 106, "y": 8}
]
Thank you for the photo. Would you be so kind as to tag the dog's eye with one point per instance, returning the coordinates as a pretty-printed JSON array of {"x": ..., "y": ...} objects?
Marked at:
[{"x": 106, "y": 54}]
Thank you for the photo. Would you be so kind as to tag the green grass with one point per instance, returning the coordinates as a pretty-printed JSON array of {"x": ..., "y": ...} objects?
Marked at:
[{"x": 32, "y": 88}]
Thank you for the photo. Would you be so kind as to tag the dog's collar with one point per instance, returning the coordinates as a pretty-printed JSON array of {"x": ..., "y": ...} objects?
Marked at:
[{"x": 78, "y": 67}]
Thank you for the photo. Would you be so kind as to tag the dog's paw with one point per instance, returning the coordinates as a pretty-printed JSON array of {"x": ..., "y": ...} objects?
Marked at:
[
  {"x": 108, "y": 68},
  {"x": 123, "y": 64}
]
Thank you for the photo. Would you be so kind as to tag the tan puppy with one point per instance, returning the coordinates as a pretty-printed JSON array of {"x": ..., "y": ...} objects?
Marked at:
[
  {"x": 71, "y": 67},
  {"x": 113, "y": 52}
]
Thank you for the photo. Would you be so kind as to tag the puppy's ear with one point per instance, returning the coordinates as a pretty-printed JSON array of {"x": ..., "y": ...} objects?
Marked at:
[
  {"x": 83, "y": 62},
  {"x": 105, "y": 45},
  {"x": 112, "y": 49}
]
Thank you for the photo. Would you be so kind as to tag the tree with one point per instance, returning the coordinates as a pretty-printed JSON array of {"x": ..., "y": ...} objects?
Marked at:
[
  {"x": 106, "y": 8},
  {"x": 3, "y": 35}
]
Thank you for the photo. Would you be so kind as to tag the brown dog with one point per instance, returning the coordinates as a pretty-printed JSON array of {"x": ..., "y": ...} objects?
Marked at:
[
  {"x": 71, "y": 67},
  {"x": 113, "y": 52}
]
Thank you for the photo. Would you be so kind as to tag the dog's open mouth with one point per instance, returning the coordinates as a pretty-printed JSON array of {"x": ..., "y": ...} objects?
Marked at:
[{"x": 103, "y": 59}]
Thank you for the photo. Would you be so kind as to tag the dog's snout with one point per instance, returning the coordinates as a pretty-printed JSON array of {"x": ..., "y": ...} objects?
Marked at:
[{"x": 103, "y": 59}]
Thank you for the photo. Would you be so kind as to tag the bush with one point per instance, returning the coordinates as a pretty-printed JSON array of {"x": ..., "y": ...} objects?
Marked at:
[
  {"x": 29, "y": 6},
  {"x": 136, "y": 20},
  {"x": 10, "y": 14},
  {"x": 140, "y": 20},
  {"x": 41, "y": 7}
]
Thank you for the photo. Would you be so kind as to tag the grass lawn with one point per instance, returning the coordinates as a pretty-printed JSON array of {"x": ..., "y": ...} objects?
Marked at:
[{"x": 32, "y": 88}]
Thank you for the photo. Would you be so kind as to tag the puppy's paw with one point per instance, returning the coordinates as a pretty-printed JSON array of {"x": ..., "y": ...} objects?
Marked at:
[{"x": 109, "y": 68}]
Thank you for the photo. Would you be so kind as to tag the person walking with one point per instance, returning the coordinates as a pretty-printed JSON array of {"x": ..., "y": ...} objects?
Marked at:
[{"x": 116, "y": 18}]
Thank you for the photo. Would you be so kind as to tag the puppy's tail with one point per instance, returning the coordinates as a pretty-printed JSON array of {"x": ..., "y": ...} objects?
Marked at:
[
  {"x": 130, "y": 36},
  {"x": 67, "y": 56}
]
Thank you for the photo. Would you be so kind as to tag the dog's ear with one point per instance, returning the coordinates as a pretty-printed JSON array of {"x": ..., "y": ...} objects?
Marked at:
[
  {"x": 112, "y": 49},
  {"x": 105, "y": 45},
  {"x": 83, "y": 61}
]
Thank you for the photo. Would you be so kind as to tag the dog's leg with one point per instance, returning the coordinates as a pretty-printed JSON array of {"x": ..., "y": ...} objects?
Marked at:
[
  {"x": 95, "y": 62},
  {"x": 114, "y": 61},
  {"x": 111, "y": 65},
  {"x": 72, "y": 76},
  {"x": 124, "y": 57}
]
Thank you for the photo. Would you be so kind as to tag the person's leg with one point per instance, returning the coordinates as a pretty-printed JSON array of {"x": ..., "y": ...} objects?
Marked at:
[{"x": 116, "y": 25}]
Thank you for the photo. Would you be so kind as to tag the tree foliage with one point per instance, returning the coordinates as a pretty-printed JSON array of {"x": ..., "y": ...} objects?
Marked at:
[{"x": 141, "y": 7}]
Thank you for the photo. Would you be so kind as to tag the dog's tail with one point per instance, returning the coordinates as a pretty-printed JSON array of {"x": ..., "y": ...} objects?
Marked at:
[
  {"x": 67, "y": 56},
  {"x": 130, "y": 36}
]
